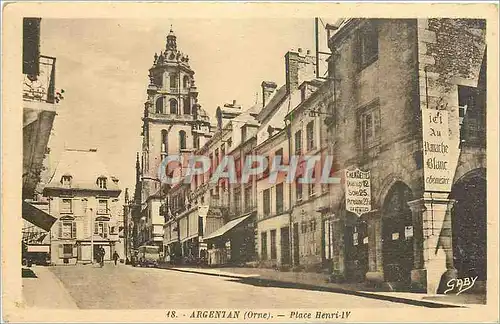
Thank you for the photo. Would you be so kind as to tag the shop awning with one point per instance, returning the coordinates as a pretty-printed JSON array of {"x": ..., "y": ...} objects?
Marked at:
[
  {"x": 226, "y": 228},
  {"x": 37, "y": 216}
]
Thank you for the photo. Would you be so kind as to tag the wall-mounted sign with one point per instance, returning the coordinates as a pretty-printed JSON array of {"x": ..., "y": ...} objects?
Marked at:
[
  {"x": 358, "y": 191},
  {"x": 365, "y": 240},
  {"x": 395, "y": 236},
  {"x": 436, "y": 150},
  {"x": 408, "y": 231}
]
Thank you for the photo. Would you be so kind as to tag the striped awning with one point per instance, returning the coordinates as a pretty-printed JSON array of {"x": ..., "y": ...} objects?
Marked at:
[{"x": 226, "y": 228}]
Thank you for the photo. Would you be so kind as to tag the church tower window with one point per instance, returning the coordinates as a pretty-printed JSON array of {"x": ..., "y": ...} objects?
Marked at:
[
  {"x": 185, "y": 82},
  {"x": 174, "y": 77},
  {"x": 164, "y": 141},
  {"x": 159, "y": 105},
  {"x": 173, "y": 106},
  {"x": 187, "y": 106},
  {"x": 182, "y": 139}
]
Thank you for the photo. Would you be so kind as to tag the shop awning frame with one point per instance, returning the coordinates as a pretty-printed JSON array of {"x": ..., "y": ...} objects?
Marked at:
[
  {"x": 226, "y": 228},
  {"x": 37, "y": 216}
]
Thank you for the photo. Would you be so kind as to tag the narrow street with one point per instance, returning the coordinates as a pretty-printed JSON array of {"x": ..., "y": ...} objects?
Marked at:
[{"x": 92, "y": 287}]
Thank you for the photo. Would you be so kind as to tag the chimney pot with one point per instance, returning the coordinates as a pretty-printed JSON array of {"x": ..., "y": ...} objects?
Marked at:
[{"x": 300, "y": 50}]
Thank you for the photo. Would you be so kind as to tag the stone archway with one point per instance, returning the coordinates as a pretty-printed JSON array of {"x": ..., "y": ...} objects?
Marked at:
[
  {"x": 469, "y": 225},
  {"x": 397, "y": 247}
]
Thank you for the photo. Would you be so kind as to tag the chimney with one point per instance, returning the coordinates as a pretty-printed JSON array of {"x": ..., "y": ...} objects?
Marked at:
[
  {"x": 268, "y": 87},
  {"x": 299, "y": 68}
]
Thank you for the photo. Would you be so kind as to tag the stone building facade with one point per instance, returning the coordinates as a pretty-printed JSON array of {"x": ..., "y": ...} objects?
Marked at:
[
  {"x": 388, "y": 78},
  {"x": 83, "y": 197}
]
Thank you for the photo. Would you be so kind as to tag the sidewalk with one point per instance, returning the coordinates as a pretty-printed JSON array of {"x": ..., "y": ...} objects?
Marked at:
[
  {"x": 318, "y": 281},
  {"x": 42, "y": 289}
]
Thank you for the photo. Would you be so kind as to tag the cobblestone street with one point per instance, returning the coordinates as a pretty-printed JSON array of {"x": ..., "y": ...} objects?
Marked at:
[{"x": 92, "y": 287}]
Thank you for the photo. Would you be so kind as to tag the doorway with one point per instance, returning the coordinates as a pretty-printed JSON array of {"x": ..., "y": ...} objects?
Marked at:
[
  {"x": 356, "y": 249},
  {"x": 397, "y": 244},
  {"x": 285, "y": 245},
  {"x": 296, "y": 248}
]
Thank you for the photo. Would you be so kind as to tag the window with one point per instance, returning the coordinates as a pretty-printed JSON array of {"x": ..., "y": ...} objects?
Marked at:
[
  {"x": 174, "y": 78},
  {"x": 229, "y": 142},
  {"x": 248, "y": 198},
  {"x": 66, "y": 206},
  {"x": 67, "y": 250},
  {"x": 310, "y": 135},
  {"x": 370, "y": 125},
  {"x": 263, "y": 245},
  {"x": 187, "y": 106},
  {"x": 173, "y": 106},
  {"x": 223, "y": 150},
  {"x": 164, "y": 141},
  {"x": 298, "y": 188},
  {"x": 312, "y": 186},
  {"x": 237, "y": 200},
  {"x": 266, "y": 197},
  {"x": 273, "y": 244},
  {"x": 182, "y": 139},
  {"x": 196, "y": 141},
  {"x": 367, "y": 45},
  {"x": 102, "y": 206},
  {"x": 279, "y": 198},
  {"x": 159, "y": 105},
  {"x": 280, "y": 154},
  {"x": 471, "y": 115},
  {"x": 101, "y": 228},
  {"x": 67, "y": 229},
  {"x": 102, "y": 183},
  {"x": 298, "y": 142},
  {"x": 185, "y": 82},
  {"x": 66, "y": 180}
]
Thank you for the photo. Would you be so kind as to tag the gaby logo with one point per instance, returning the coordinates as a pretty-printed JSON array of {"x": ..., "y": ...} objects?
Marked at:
[{"x": 460, "y": 284}]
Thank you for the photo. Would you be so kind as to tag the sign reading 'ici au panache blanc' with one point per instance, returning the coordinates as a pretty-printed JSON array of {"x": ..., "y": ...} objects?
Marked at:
[
  {"x": 436, "y": 150},
  {"x": 358, "y": 191}
]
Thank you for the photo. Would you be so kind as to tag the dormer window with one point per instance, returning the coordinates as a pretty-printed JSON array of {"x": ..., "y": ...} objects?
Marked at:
[
  {"x": 102, "y": 183},
  {"x": 66, "y": 180}
]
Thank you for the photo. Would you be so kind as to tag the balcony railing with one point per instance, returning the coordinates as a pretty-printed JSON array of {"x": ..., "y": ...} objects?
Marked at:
[{"x": 41, "y": 87}]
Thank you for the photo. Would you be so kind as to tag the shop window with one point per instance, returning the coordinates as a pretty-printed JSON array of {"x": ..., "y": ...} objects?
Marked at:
[
  {"x": 279, "y": 198},
  {"x": 263, "y": 245},
  {"x": 67, "y": 250},
  {"x": 273, "y": 244},
  {"x": 310, "y": 135},
  {"x": 66, "y": 206},
  {"x": 370, "y": 126},
  {"x": 266, "y": 198}
]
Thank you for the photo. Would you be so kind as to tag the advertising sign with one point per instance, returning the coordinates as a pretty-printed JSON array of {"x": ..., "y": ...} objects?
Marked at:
[
  {"x": 358, "y": 191},
  {"x": 436, "y": 150}
]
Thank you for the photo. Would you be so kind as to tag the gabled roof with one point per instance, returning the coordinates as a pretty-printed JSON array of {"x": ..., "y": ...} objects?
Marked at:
[{"x": 85, "y": 167}]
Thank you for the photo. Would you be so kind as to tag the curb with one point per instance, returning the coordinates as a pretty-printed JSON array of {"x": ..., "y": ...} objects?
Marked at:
[{"x": 288, "y": 284}]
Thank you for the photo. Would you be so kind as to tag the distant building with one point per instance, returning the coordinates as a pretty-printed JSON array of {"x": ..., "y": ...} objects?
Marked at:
[{"x": 83, "y": 197}]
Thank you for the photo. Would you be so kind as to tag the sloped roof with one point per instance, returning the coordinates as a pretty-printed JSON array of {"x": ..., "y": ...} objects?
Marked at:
[
  {"x": 85, "y": 167},
  {"x": 279, "y": 95}
]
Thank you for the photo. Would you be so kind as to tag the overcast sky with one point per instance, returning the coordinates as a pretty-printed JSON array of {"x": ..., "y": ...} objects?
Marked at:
[{"x": 103, "y": 67}]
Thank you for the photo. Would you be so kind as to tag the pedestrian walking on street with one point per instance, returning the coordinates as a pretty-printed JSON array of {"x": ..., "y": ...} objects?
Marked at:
[
  {"x": 115, "y": 257},
  {"x": 101, "y": 256}
]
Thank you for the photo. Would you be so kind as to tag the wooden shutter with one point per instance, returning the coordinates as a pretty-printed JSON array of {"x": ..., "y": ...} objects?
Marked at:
[
  {"x": 73, "y": 230},
  {"x": 60, "y": 229}
]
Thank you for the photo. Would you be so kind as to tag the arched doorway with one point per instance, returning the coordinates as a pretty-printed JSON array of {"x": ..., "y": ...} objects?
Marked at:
[
  {"x": 469, "y": 225},
  {"x": 397, "y": 242},
  {"x": 356, "y": 247}
]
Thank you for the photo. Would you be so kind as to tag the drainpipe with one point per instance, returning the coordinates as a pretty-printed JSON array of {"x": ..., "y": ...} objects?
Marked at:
[{"x": 290, "y": 207}]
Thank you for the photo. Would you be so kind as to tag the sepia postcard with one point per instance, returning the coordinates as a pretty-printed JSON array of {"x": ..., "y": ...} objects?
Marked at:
[{"x": 249, "y": 162}]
